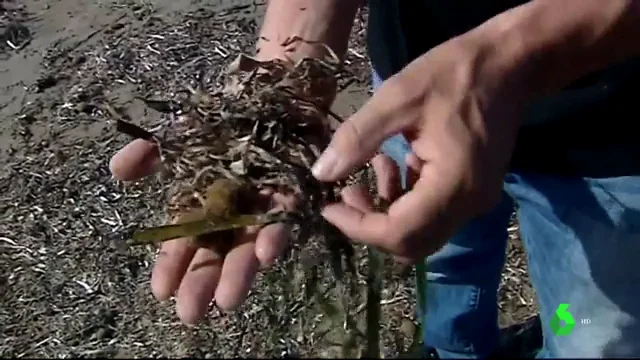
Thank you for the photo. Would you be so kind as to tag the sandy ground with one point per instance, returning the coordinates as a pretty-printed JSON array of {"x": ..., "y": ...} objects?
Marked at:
[{"x": 66, "y": 288}]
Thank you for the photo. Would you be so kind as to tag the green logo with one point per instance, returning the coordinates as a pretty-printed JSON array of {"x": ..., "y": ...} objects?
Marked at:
[{"x": 562, "y": 315}]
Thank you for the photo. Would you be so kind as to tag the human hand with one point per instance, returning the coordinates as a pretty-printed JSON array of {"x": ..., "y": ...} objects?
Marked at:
[
  {"x": 197, "y": 276},
  {"x": 458, "y": 106}
]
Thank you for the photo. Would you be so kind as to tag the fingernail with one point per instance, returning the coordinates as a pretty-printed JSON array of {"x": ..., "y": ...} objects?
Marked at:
[{"x": 325, "y": 166}]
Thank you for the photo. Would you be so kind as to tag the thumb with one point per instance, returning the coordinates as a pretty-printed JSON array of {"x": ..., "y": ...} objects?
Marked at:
[{"x": 358, "y": 139}]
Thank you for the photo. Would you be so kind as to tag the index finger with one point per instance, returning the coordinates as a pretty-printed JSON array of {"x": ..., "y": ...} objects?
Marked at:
[{"x": 415, "y": 224}]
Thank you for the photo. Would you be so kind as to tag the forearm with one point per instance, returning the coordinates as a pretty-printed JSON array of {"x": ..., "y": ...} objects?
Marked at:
[
  {"x": 557, "y": 41},
  {"x": 323, "y": 21}
]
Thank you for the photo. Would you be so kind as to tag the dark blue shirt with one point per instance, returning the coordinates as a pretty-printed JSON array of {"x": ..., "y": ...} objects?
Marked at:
[{"x": 585, "y": 129}]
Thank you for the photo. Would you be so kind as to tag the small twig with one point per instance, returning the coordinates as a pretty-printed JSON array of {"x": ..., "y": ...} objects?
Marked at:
[{"x": 134, "y": 130}]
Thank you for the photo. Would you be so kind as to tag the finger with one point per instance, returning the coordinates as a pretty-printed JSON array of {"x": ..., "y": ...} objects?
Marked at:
[
  {"x": 413, "y": 161},
  {"x": 352, "y": 222},
  {"x": 135, "y": 160},
  {"x": 272, "y": 239},
  {"x": 198, "y": 285},
  {"x": 414, "y": 166},
  {"x": 426, "y": 209},
  {"x": 238, "y": 272},
  {"x": 390, "y": 110},
  {"x": 357, "y": 197},
  {"x": 270, "y": 243},
  {"x": 170, "y": 266},
  {"x": 266, "y": 192},
  {"x": 388, "y": 181}
]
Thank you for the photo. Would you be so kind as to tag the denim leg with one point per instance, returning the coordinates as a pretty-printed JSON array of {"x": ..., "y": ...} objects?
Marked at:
[
  {"x": 462, "y": 285},
  {"x": 582, "y": 238}
]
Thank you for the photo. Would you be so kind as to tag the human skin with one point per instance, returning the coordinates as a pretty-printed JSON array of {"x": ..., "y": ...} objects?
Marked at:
[
  {"x": 327, "y": 21},
  {"x": 459, "y": 106}
]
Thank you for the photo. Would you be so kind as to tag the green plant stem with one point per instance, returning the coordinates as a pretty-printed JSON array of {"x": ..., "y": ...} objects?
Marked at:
[
  {"x": 421, "y": 289},
  {"x": 374, "y": 289},
  {"x": 421, "y": 283}
]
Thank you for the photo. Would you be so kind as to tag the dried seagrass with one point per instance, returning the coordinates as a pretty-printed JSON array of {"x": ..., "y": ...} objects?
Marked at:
[{"x": 264, "y": 128}]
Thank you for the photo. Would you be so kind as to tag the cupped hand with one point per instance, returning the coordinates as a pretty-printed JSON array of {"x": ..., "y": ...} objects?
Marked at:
[
  {"x": 458, "y": 106},
  {"x": 198, "y": 276}
]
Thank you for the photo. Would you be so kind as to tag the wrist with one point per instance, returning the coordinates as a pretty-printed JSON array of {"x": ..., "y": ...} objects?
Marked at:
[
  {"x": 545, "y": 44},
  {"x": 498, "y": 64},
  {"x": 293, "y": 51},
  {"x": 327, "y": 22},
  {"x": 502, "y": 56}
]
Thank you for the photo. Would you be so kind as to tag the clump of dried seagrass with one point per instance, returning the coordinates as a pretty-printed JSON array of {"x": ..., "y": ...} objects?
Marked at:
[{"x": 263, "y": 128}]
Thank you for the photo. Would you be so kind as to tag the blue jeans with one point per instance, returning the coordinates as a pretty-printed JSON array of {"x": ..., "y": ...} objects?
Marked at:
[{"x": 582, "y": 238}]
